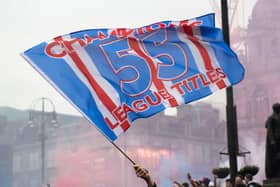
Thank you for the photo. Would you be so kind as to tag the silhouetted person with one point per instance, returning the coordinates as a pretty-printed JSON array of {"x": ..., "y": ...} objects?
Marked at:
[
  {"x": 240, "y": 185},
  {"x": 193, "y": 182},
  {"x": 239, "y": 181},
  {"x": 249, "y": 181},
  {"x": 144, "y": 174},
  {"x": 228, "y": 183},
  {"x": 185, "y": 184},
  {"x": 177, "y": 184},
  {"x": 248, "y": 178},
  {"x": 272, "y": 161}
]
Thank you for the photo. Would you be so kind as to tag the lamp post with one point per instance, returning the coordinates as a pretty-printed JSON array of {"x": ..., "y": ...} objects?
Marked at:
[{"x": 43, "y": 121}]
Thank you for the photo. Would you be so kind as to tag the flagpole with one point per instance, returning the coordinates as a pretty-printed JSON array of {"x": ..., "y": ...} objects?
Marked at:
[
  {"x": 123, "y": 153},
  {"x": 232, "y": 133}
]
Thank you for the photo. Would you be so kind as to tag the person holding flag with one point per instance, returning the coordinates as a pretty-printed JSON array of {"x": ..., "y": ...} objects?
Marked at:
[{"x": 144, "y": 174}]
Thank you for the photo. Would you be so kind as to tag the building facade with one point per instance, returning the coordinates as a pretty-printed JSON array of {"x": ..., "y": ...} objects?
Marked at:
[
  {"x": 260, "y": 89},
  {"x": 78, "y": 154}
]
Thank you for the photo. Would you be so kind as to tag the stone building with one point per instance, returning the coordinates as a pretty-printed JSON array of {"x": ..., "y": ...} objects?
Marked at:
[
  {"x": 255, "y": 95},
  {"x": 76, "y": 153}
]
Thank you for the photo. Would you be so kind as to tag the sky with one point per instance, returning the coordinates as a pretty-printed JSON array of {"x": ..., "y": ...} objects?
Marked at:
[{"x": 25, "y": 23}]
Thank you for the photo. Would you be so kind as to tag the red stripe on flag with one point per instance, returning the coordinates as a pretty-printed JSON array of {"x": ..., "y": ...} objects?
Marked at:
[
  {"x": 205, "y": 56},
  {"x": 158, "y": 83},
  {"x": 221, "y": 84},
  {"x": 125, "y": 125},
  {"x": 102, "y": 95}
]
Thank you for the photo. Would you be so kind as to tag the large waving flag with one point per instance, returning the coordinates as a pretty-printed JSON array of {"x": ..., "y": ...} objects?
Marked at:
[{"x": 114, "y": 76}]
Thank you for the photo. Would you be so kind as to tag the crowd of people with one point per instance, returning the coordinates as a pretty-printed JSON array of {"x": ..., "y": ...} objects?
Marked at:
[{"x": 240, "y": 181}]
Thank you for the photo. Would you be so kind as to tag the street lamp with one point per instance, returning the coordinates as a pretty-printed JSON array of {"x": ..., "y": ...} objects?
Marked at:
[{"x": 47, "y": 116}]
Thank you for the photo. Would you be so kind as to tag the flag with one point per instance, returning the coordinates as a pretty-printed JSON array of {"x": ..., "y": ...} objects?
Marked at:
[{"x": 114, "y": 76}]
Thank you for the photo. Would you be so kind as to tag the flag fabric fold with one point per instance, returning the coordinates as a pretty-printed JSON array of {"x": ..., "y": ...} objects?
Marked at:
[{"x": 114, "y": 76}]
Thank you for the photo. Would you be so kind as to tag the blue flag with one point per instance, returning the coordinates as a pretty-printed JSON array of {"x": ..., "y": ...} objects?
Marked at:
[{"x": 114, "y": 76}]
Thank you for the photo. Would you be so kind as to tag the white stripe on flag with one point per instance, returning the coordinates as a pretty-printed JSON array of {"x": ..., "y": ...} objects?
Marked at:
[
  {"x": 195, "y": 53},
  {"x": 167, "y": 85},
  {"x": 101, "y": 107},
  {"x": 211, "y": 53},
  {"x": 89, "y": 63}
]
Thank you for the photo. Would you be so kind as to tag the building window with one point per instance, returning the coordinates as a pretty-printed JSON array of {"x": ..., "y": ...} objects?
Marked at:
[
  {"x": 261, "y": 106},
  {"x": 24, "y": 162},
  {"x": 274, "y": 50},
  {"x": 34, "y": 182},
  {"x": 50, "y": 158},
  {"x": 34, "y": 160},
  {"x": 259, "y": 49},
  {"x": 16, "y": 163}
]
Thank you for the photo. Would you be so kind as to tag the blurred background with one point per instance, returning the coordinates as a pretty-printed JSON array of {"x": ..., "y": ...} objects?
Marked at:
[{"x": 37, "y": 124}]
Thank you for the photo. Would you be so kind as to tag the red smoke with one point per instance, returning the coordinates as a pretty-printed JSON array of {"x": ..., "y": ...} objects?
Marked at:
[{"x": 74, "y": 168}]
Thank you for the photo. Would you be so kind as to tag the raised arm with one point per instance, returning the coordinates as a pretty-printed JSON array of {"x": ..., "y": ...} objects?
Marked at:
[{"x": 144, "y": 174}]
